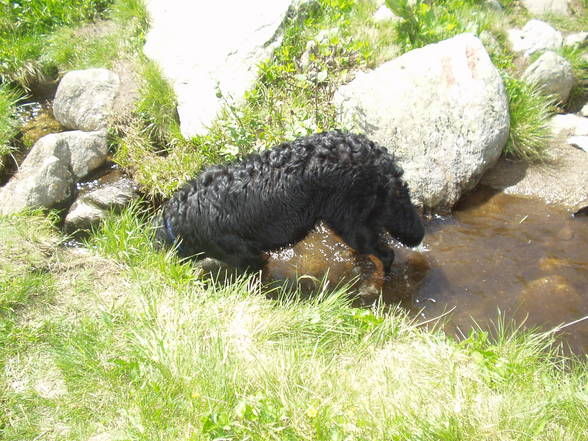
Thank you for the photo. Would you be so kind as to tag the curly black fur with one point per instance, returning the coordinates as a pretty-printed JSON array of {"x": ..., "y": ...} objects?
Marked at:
[{"x": 236, "y": 212}]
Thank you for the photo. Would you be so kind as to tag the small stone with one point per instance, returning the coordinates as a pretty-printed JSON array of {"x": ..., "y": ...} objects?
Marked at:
[
  {"x": 535, "y": 36},
  {"x": 384, "y": 14},
  {"x": 576, "y": 39},
  {"x": 44, "y": 179},
  {"x": 569, "y": 124},
  {"x": 540, "y": 7},
  {"x": 85, "y": 98},
  {"x": 584, "y": 111},
  {"x": 92, "y": 207},
  {"x": 494, "y": 4}
]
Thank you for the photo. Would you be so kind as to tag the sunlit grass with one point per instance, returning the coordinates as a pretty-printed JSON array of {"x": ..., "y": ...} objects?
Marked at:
[
  {"x": 160, "y": 355},
  {"x": 530, "y": 111},
  {"x": 8, "y": 121}
]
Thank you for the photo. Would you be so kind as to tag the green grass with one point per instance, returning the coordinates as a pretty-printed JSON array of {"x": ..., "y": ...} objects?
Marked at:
[
  {"x": 119, "y": 36},
  {"x": 530, "y": 111},
  {"x": 24, "y": 26},
  {"x": 131, "y": 349},
  {"x": 8, "y": 120}
]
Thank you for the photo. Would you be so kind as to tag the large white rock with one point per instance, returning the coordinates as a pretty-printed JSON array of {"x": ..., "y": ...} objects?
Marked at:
[
  {"x": 204, "y": 45},
  {"x": 540, "y": 7},
  {"x": 85, "y": 98},
  {"x": 553, "y": 74},
  {"x": 535, "y": 36},
  {"x": 442, "y": 110},
  {"x": 44, "y": 178}
]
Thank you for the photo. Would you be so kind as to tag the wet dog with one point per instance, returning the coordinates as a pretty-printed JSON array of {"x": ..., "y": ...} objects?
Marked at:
[{"x": 237, "y": 212}]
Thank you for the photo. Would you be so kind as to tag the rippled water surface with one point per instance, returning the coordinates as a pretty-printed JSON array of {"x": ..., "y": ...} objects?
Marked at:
[{"x": 494, "y": 253}]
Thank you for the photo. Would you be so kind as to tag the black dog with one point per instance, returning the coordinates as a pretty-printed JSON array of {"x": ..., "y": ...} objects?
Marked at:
[{"x": 235, "y": 213}]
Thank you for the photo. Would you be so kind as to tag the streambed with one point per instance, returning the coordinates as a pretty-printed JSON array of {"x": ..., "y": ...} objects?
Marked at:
[{"x": 495, "y": 253}]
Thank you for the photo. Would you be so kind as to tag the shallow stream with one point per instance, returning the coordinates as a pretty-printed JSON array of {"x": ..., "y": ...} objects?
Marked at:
[{"x": 494, "y": 253}]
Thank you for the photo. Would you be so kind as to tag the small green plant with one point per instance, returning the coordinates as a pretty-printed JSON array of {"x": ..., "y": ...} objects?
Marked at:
[
  {"x": 578, "y": 58},
  {"x": 157, "y": 105},
  {"x": 530, "y": 111},
  {"x": 424, "y": 22}
]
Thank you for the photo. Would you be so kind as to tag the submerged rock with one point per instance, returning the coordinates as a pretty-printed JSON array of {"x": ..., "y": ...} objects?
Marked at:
[
  {"x": 442, "y": 110},
  {"x": 550, "y": 300},
  {"x": 42, "y": 124}
]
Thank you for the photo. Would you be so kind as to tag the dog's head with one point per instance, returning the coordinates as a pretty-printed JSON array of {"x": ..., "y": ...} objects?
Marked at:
[{"x": 402, "y": 218}]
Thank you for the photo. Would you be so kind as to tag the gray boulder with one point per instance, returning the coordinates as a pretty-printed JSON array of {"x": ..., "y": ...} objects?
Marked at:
[
  {"x": 229, "y": 41},
  {"x": 88, "y": 150},
  {"x": 443, "y": 112},
  {"x": 553, "y": 74},
  {"x": 56, "y": 162},
  {"x": 535, "y": 36},
  {"x": 93, "y": 206},
  {"x": 540, "y": 7},
  {"x": 84, "y": 99},
  {"x": 44, "y": 179}
]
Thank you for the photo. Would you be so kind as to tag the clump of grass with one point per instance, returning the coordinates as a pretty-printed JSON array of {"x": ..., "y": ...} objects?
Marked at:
[
  {"x": 128, "y": 237},
  {"x": 530, "y": 111},
  {"x": 157, "y": 106},
  {"x": 100, "y": 43},
  {"x": 8, "y": 120},
  {"x": 578, "y": 58}
]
